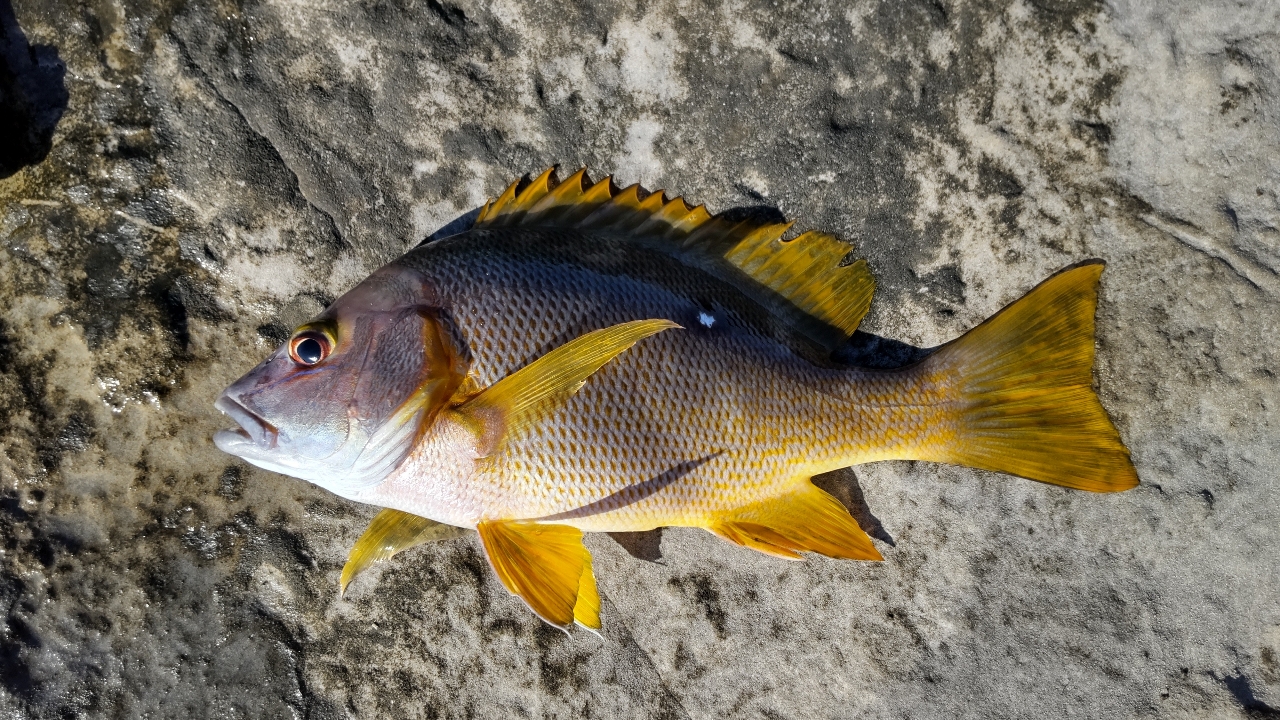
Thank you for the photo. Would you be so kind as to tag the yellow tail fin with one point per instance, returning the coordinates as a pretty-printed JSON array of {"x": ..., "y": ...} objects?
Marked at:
[{"x": 1025, "y": 402}]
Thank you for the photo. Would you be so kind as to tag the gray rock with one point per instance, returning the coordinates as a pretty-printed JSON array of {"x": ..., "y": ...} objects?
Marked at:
[{"x": 221, "y": 170}]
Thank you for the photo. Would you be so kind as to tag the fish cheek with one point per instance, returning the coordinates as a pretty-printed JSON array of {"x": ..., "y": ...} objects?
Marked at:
[
  {"x": 400, "y": 362},
  {"x": 320, "y": 432}
]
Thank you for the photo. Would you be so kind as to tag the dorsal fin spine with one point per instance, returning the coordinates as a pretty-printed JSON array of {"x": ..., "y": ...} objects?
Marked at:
[
  {"x": 625, "y": 204},
  {"x": 494, "y": 208},
  {"x": 713, "y": 229},
  {"x": 540, "y": 186},
  {"x": 648, "y": 208},
  {"x": 567, "y": 192},
  {"x": 697, "y": 216},
  {"x": 671, "y": 213},
  {"x": 591, "y": 199},
  {"x": 514, "y": 211},
  {"x": 536, "y": 190}
]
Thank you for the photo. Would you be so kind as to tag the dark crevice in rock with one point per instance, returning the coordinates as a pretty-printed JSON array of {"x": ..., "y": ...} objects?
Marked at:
[
  {"x": 190, "y": 61},
  {"x": 33, "y": 95}
]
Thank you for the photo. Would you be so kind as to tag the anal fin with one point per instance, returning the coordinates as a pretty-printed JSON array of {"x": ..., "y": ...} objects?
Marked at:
[
  {"x": 547, "y": 566},
  {"x": 804, "y": 520},
  {"x": 390, "y": 532}
]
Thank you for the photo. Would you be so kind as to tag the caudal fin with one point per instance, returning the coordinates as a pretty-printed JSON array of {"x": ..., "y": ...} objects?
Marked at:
[{"x": 1025, "y": 403}]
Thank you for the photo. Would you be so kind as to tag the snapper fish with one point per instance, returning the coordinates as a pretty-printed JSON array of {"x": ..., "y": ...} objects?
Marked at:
[{"x": 593, "y": 359}]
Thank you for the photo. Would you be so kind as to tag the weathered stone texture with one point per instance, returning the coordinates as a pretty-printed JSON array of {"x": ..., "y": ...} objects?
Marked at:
[{"x": 218, "y": 170}]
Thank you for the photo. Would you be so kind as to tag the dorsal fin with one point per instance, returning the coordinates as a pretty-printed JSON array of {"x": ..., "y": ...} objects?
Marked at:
[{"x": 804, "y": 282}]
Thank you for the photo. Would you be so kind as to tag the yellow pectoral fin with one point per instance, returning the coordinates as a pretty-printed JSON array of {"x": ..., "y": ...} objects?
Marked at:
[
  {"x": 390, "y": 532},
  {"x": 547, "y": 566},
  {"x": 804, "y": 520},
  {"x": 516, "y": 399}
]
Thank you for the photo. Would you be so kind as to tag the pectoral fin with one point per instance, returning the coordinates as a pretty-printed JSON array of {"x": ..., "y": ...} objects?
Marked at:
[
  {"x": 547, "y": 566},
  {"x": 390, "y": 532},
  {"x": 517, "y": 399}
]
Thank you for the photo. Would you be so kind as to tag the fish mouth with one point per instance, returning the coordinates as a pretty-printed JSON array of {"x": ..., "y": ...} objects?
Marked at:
[{"x": 254, "y": 432}]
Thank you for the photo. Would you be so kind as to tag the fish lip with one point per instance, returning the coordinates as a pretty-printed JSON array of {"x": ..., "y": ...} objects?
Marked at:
[{"x": 253, "y": 428}]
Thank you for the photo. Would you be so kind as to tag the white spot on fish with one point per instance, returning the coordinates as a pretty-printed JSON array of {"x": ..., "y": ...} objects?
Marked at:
[{"x": 706, "y": 319}]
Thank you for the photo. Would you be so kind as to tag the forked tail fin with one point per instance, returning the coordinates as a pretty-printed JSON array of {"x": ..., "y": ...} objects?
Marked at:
[{"x": 1025, "y": 403}]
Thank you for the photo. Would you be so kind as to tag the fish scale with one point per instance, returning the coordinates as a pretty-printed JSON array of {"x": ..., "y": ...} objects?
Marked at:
[
  {"x": 588, "y": 358},
  {"x": 677, "y": 398}
]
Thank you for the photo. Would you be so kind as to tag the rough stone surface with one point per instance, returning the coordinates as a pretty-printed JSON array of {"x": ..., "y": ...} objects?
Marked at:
[{"x": 218, "y": 170}]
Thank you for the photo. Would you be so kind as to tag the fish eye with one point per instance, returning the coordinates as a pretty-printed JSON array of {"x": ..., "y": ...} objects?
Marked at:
[{"x": 309, "y": 348}]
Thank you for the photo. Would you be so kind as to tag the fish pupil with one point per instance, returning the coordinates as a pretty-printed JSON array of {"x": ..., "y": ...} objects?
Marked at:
[{"x": 309, "y": 351}]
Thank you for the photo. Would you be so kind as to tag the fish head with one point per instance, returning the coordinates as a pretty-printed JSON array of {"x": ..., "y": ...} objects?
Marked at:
[{"x": 344, "y": 400}]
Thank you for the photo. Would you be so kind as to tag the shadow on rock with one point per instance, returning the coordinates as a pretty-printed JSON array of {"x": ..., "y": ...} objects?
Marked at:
[
  {"x": 33, "y": 95},
  {"x": 1242, "y": 690},
  {"x": 843, "y": 485},
  {"x": 646, "y": 545},
  {"x": 755, "y": 213}
]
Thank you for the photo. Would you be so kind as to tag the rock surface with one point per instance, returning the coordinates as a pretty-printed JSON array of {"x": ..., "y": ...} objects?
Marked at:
[{"x": 221, "y": 169}]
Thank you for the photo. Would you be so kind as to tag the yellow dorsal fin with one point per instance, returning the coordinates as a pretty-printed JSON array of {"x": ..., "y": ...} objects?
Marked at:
[
  {"x": 805, "y": 520},
  {"x": 494, "y": 209},
  {"x": 592, "y": 197},
  {"x": 390, "y": 532},
  {"x": 518, "y": 398},
  {"x": 547, "y": 566},
  {"x": 668, "y": 218},
  {"x": 691, "y": 221},
  {"x": 803, "y": 282},
  {"x": 807, "y": 271},
  {"x": 565, "y": 194}
]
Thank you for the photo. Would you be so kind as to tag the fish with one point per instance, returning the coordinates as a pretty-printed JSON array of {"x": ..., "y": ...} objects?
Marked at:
[{"x": 590, "y": 358}]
